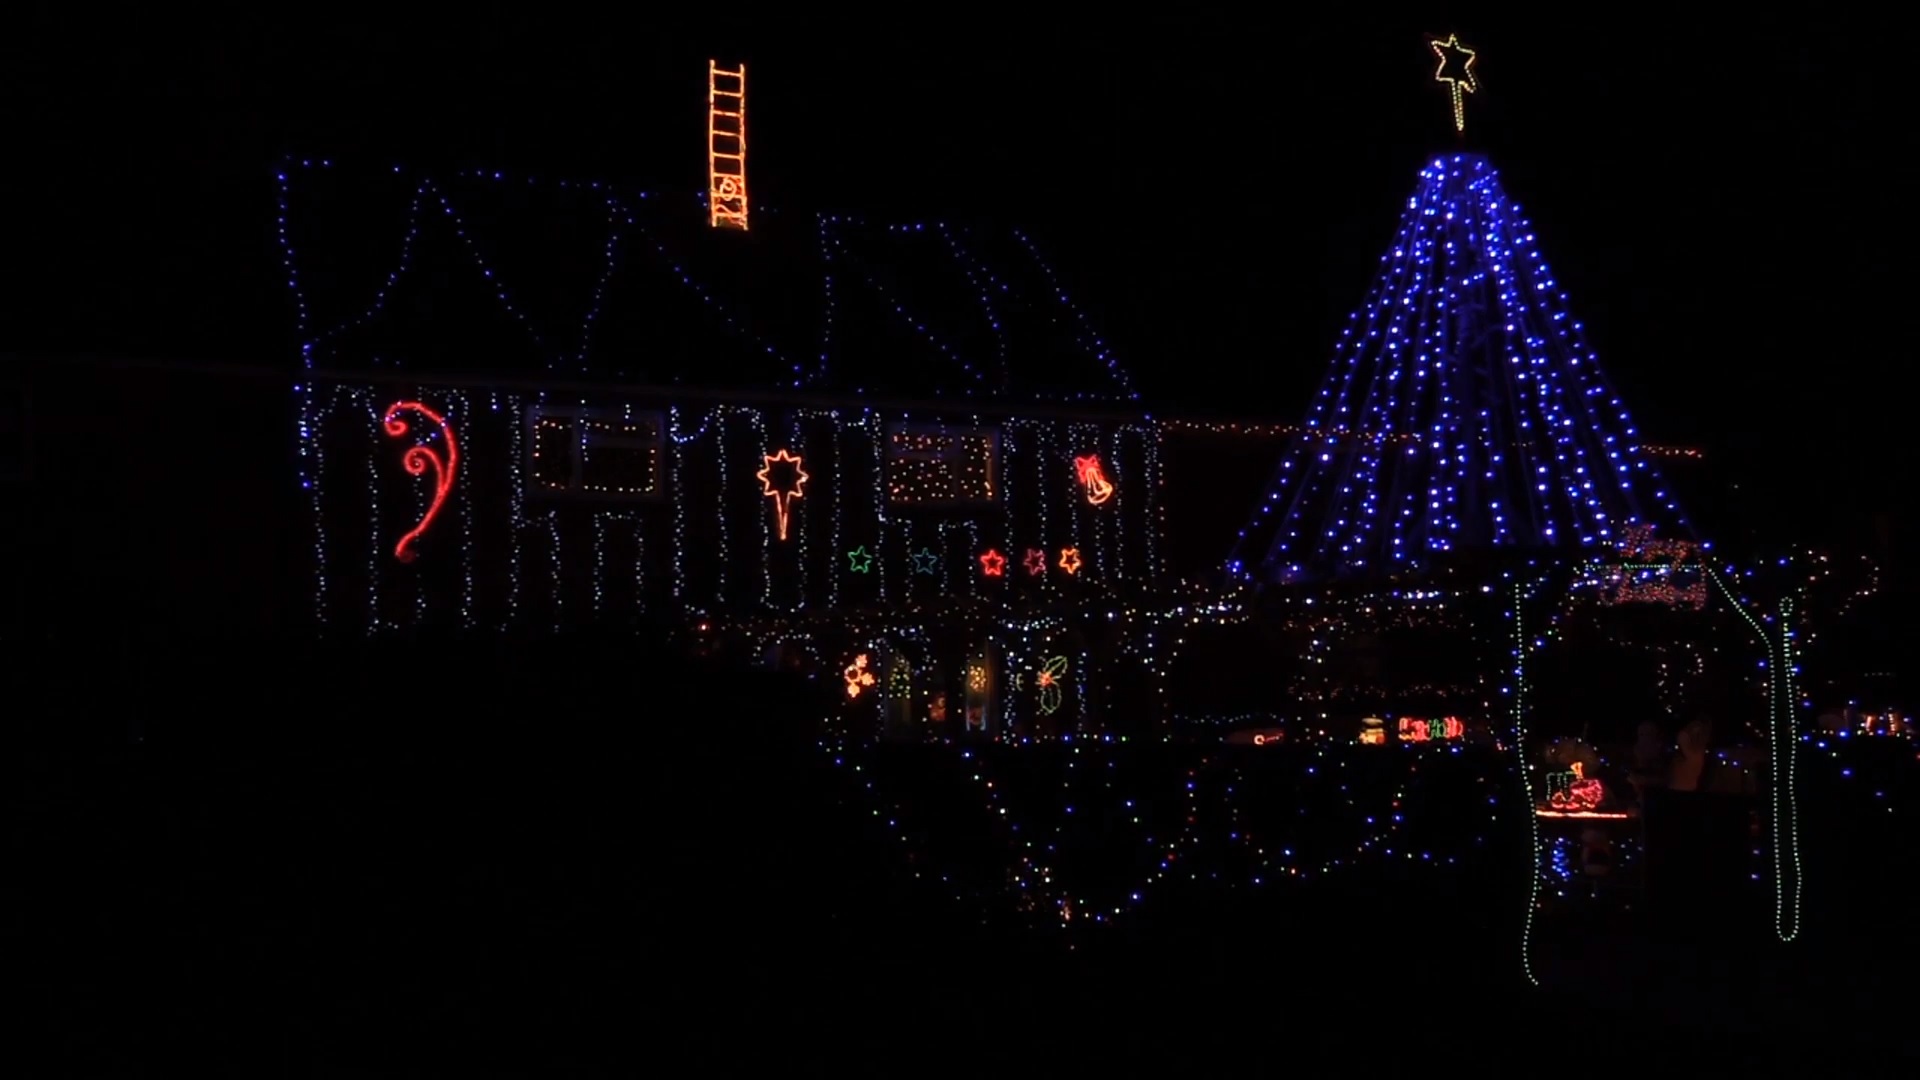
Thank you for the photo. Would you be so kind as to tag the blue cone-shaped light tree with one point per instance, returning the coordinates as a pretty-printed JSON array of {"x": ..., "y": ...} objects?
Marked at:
[{"x": 1463, "y": 411}]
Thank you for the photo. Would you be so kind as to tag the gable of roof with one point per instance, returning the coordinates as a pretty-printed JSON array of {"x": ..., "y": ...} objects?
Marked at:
[{"x": 485, "y": 273}]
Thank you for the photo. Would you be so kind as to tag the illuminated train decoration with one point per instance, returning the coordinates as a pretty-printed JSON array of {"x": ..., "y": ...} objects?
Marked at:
[
  {"x": 1573, "y": 794},
  {"x": 1412, "y": 729},
  {"x": 1443, "y": 729}
]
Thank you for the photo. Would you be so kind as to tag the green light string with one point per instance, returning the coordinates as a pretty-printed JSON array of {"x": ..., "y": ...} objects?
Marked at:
[
  {"x": 1526, "y": 785},
  {"x": 1783, "y": 743}
]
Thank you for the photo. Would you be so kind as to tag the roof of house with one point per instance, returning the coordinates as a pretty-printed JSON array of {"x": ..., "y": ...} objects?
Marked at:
[{"x": 488, "y": 273}]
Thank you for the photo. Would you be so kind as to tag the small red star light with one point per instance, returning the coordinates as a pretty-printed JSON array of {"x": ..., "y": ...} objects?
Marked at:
[
  {"x": 993, "y": 564},
  {"x": 1036, "y": 562}
]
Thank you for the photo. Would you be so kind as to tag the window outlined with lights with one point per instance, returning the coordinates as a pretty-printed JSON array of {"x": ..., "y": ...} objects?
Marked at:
[
  {"x": 936, "y": 465},
  {"x": 594, "y": 453}
]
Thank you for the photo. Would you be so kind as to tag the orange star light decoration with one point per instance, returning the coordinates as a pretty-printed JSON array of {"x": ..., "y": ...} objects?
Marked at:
[
  {"x": 1036, "y": 562},
  {"x": 784, "y": 489},
  {"x": 1070, "y": 560},
  {"x": 1456, "y": 70},
  {"x": 993, "y": 564}
]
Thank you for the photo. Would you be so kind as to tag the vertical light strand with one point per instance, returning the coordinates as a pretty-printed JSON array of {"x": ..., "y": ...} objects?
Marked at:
[
  {"x": 766, "y": 530},
  {"x": 463, "y": 403},
  {"x": 833, "y": 506},
  {"x": 1119, "y": 514},
  {"x": 1075, "y": 501},
  {"x": 1784, "y": 825},
  {"x": 309, "y": 422},
  {"x": 906, "y": 539},
  {"x": 1038, "y": 442},
  {"x": 1156, "y": 506},
  {"x": 599, "y": 563},
  {"x": 819, "y": 372},
  {"x": 974, "y": 583},
  {"x": 366, "y": 405},
  {"x": 720, "y": 501},
  {"x": 557, "y": 587},
  {"x": 1526, "y": 780},
  {"x": 1011, "y": 526},
  {"x": 676, "y": 483},
  {"x": 798, "y": 441},
  {"x": 1786, "y": 918},
  {"x": 516, "y": 506},
  {"x": 418, "y": 495},
  {"x": 308, "y": 444},
  {"x": 877, "y": 430}
]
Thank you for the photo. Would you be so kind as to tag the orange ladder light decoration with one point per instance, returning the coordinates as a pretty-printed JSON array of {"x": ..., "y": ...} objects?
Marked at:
[{"x": 726, "y": 147}]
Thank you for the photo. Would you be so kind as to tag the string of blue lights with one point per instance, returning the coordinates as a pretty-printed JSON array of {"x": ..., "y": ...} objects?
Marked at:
[{"x": 1463, "y": 409}]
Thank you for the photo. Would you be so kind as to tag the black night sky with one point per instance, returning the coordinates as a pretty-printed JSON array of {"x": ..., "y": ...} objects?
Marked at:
[{"x": 1722, "y": 199}]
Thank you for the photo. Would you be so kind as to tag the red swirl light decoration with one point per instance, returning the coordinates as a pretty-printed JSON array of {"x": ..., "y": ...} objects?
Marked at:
[{"x": 418, "y": 459}]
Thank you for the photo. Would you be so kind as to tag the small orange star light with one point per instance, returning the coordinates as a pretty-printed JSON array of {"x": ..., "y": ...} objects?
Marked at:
[
  {"x": 993, "y": 564},
  {"x": 1070, "y": 560},
  {"x": 857, "y": 675},
  {"x": 1456, "y": 70},
  {"x": 784, "y": 487}
]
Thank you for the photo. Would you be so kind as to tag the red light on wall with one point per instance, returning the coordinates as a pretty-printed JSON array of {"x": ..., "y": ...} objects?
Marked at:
[
  {"x": 417, "y": 460},
  {"x": 1093, "y": 478}
]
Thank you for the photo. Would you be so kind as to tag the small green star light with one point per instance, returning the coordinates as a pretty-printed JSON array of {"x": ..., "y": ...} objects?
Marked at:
[{"x": 860, "y": 560}]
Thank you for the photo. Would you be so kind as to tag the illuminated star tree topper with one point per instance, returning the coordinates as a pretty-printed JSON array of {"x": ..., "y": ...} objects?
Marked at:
[{"x": 1456, "y": 70}]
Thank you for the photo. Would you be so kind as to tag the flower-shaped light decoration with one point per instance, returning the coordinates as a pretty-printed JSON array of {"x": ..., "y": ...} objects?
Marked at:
[{"x": 858, "y": 676}]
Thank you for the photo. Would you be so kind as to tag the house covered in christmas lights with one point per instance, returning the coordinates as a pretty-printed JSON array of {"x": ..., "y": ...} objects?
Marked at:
[{"x": 530, "y": 405}]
